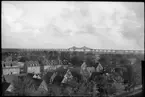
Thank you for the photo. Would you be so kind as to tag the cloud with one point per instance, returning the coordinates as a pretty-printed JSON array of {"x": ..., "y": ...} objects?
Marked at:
[
  {"x": 64, "y": 24},
  {"x": 10, "y": 16}
]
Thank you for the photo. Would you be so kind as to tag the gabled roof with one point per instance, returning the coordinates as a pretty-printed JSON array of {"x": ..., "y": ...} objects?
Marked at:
[
  {"x": 5, "y": 86},
  {"x": 43, "y": 85},
  {"x": 99, "y": 68},
  {"x": 10, "y": 88}
]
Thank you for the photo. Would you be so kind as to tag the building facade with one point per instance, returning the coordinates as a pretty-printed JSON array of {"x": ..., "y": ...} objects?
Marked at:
[
  {"x": 10, "y": 67},
  {"x": 11, "y": 70},
  {"x": 33, "y": 67}
]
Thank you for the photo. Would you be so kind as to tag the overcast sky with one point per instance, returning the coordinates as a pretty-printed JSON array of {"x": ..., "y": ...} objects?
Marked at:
[{"x": 47, "y": 24}]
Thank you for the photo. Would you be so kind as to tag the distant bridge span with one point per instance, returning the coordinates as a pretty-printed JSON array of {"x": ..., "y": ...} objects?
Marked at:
[{"x": 99, "y": 51}]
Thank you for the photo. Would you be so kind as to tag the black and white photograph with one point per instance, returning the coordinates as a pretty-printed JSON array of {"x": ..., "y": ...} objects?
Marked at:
[{"x": 72, "y": 48}]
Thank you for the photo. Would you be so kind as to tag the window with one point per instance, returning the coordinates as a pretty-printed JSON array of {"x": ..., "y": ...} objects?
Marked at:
[
  {"x": 4, "y": 65},
  {"x": 11, "y": 64}
]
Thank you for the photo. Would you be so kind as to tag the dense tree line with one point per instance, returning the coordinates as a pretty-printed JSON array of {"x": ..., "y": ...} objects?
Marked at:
[{"x": 76, "y": 58}]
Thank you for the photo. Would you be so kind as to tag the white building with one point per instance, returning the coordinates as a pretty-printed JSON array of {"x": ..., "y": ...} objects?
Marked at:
[
  {"x": 51, "y": 65},
  {"x": 10, "y": 67},
  {"x": 47, "y": 64},
  {"x": 33, "y": 67},
  {"x": 11, "y": 70}
]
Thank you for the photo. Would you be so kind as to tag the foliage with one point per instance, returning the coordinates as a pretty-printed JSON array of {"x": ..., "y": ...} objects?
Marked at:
[
  {"x": 56, "y": 91},
  {"x": 53, "y": 55},
  {"x": 24, "y": 59},
  {"x": 119, "y": 87},
  {"x": 75, "y": 60},
  {"x": 65, "y": 56},
  {"x": 90, "y": 59},
  {"x": 82, "y": 89},
  {"x": 105, "y": 60}
]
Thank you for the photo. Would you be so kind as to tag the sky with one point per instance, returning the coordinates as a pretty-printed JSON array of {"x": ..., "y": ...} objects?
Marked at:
[{"x": 53, "y": 24}]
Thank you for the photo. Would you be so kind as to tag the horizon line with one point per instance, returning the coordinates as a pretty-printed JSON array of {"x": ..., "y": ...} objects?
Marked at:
[{"x": 77, "y": 48}]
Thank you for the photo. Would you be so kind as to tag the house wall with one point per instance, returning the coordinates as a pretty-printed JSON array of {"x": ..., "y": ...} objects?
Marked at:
[
  {"x": 49, "y": 68},
  {"x": 33, "y": 69},
  {"x": 8, "y": 71},
  {"x": 46, "y": 67}
]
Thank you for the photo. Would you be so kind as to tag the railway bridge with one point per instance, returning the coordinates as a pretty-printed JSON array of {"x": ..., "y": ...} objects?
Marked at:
[{"x": 76, "y": 49}]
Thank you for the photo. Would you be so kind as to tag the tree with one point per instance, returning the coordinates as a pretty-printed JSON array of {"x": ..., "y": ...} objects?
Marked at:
[
  {"x": 105, "y": 60},
  {"x": 65, "y": 56},
  {"x": 75, "y": 61},
  {"x": 24, "y": 59},
  {"x": 53, "y": 55},
  {"x": 90, "y": 59}
]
